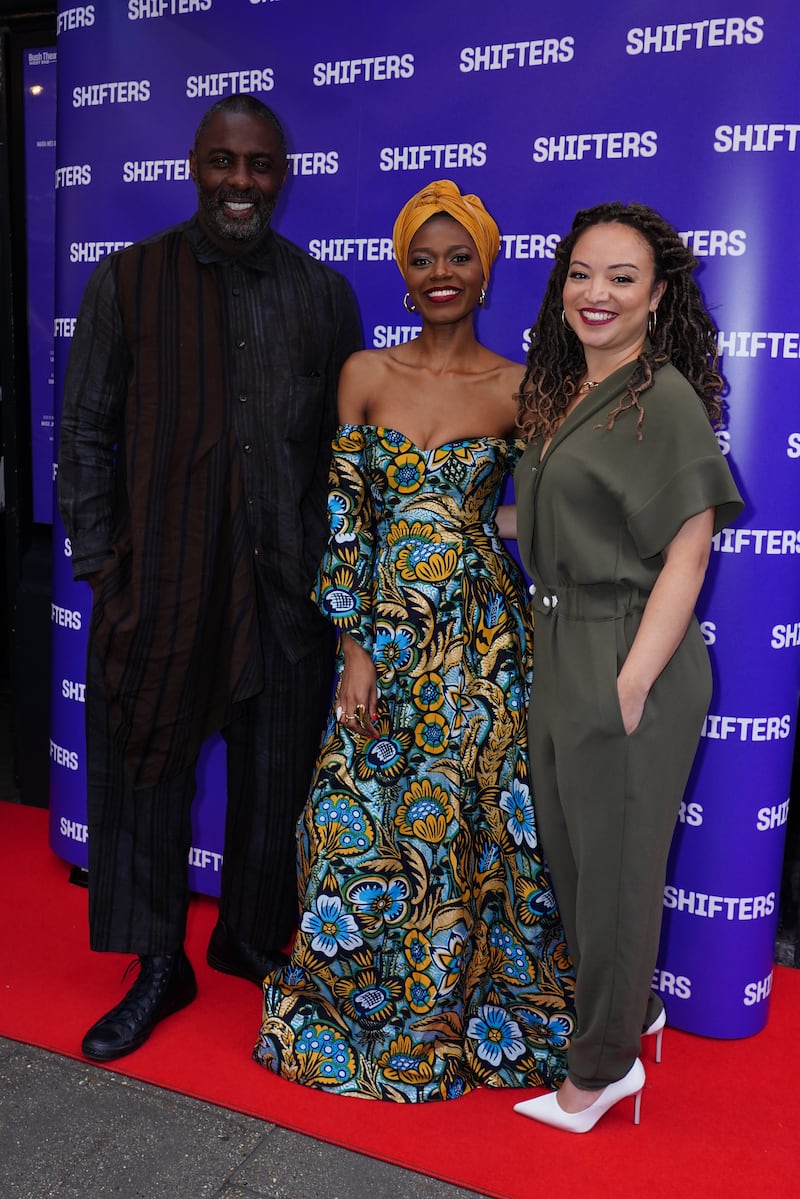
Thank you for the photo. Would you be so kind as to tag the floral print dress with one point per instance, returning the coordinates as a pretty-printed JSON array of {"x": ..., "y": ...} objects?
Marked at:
[{"x": 430, "y": 958}]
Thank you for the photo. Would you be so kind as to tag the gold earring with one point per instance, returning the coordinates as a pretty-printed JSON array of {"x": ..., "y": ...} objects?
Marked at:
[
  {"x": 409, "y": 307},
  {"x": 564, "y": 320}
]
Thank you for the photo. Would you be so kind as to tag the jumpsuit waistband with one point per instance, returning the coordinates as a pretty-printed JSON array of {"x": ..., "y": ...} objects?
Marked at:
[{"x": 589, "y": 601}]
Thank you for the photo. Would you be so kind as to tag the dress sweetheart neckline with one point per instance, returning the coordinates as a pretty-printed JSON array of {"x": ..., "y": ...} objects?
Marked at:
[{"x": 434, "y": 448}]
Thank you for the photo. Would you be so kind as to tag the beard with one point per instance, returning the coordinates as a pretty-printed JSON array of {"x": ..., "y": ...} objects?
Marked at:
[{"x": 250, "y": 228}]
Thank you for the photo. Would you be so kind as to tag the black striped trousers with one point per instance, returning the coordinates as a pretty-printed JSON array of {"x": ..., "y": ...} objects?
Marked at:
[{"x": 139, "y": 840}]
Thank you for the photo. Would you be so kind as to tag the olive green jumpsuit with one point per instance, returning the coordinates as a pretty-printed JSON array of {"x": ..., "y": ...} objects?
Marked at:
[{"x": 593, "y": 517}]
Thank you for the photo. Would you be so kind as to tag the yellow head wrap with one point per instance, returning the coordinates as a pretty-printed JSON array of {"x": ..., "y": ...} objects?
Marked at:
[{"x": 469, "y": 211}]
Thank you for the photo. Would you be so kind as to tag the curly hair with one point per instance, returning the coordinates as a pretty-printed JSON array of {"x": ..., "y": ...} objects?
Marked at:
[{"x": 685, "y": 334}]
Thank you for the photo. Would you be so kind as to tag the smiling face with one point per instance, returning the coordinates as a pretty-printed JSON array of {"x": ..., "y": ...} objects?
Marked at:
[
  {"x": 609, "y": 292},
  {"x": 443, "y": 274},
  {"x": 239, "y": 167}
]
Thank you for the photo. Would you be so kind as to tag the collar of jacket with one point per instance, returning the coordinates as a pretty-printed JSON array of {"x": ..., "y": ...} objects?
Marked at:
[{"x": 258, "y": 257}]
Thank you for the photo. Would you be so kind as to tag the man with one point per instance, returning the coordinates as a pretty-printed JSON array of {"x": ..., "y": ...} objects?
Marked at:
[{"x": 199, "y": 408}]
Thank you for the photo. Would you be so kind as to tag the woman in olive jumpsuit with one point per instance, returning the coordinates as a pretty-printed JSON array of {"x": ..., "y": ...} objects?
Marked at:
[{"x": 618, "y": 495}]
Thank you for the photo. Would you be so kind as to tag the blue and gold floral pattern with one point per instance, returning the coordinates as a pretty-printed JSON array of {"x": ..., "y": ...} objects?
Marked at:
[{"x": 430, "y": 958}]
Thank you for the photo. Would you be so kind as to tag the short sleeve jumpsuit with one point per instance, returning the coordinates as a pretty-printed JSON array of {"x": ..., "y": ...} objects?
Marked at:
[{"x": 594, "y": 515}]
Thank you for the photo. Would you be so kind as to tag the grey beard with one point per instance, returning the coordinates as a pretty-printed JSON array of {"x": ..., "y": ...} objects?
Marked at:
[{"x": 237, "y": 230}]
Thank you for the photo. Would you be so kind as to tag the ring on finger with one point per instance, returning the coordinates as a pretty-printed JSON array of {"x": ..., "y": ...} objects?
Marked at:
[{"x": 361, "y": 713}]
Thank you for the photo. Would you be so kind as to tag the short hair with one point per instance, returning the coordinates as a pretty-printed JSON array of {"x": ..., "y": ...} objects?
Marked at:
[{"x": 242, "y": 103}]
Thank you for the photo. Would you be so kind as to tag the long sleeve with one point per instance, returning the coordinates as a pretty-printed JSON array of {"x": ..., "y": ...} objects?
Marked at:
[
  {"x": 344, "y": 585},
  {"x": 346, "y": 340},
  {"x": 95, "y": 390}
]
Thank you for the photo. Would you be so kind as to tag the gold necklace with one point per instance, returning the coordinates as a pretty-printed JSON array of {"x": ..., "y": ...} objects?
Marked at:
[{"x": 587, "y": 386}]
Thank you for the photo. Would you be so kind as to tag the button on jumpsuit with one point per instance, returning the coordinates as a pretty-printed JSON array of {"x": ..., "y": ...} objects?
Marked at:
[{"x": 593, "y": 517}]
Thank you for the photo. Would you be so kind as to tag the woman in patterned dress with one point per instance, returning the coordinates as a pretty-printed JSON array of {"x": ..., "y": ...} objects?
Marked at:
[{"x": 430, "y": 957}]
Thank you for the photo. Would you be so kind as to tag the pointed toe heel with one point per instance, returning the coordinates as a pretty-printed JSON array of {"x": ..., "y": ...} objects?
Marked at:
[{"x": 546, "y": 1109}]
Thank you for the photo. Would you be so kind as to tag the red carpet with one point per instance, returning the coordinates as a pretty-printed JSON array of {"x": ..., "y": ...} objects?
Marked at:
[{"x": 719, "y": 1118}]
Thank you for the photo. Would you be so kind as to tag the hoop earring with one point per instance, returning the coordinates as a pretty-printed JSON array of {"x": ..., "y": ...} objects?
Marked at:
[
  {"x": 409, "y": 307},
  {"x": 652, "y": 321},
  {"x": 564, "y": 321},
  {"x": 482, "y": 298}
]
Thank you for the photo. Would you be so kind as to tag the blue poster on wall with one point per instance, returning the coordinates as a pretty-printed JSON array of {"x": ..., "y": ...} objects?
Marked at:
[
  {"x": 540, "y": 110},
  {"x": 39, "y": 84}
]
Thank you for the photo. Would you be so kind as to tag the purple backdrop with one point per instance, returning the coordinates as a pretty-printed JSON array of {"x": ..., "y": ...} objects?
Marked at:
[{"x": 540, "y": 114}]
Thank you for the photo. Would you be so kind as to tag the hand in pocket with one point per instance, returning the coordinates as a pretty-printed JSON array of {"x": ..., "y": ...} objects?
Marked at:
[{"x": 631, "y": 706}]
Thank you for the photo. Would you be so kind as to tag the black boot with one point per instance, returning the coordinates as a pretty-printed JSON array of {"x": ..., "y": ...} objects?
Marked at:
[
  {"x": 165, "y": 985},
  {"x": 232, "y": 956}
]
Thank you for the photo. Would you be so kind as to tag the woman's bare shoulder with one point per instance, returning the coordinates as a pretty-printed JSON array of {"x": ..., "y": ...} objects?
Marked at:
[
  {"x": 506, "y": 377},
  {"x": 506, "y": 380},
  {"x": 510, "y": 371},
  {"x": 366, "y": 364},
  {"x": 363, "y": 376}
]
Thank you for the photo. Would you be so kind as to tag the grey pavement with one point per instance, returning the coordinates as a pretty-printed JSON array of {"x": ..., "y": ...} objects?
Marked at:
[{"x": 69, "y": 1130}]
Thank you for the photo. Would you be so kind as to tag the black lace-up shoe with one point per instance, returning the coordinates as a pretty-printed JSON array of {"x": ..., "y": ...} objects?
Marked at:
[
  {"x": 232, "y": 956},
  {"x": 165, "y": 985}
]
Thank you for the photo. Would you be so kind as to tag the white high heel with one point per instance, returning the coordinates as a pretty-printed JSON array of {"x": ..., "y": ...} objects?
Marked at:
[
  {"x": 546, "y": 1109},
  {"x": 656, "y": 1029}
]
